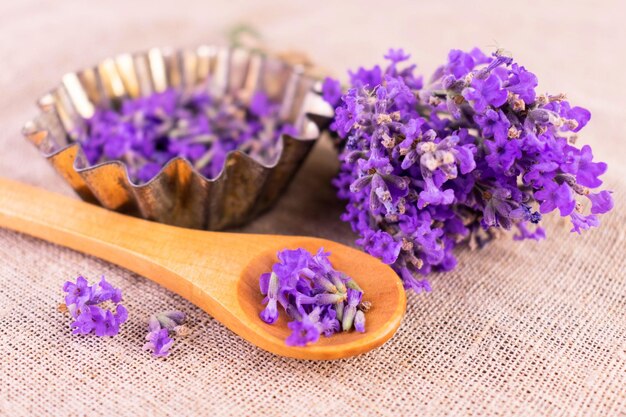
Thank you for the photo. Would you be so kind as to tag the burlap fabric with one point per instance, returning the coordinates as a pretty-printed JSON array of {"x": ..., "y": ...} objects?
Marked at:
[{"x": 519, "y": 329}]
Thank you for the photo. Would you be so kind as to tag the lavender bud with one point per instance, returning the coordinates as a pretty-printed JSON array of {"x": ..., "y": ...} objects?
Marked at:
[
  {"x": 272, "y": 289},
  {"x": 326, "y": 284},
  {"x": 339, "y": 307},
  {"x": 361, "y": 183},
  {"x": 325, "y": 298},
  {"x": 353, "y": 285},
  {"x": 359, "y": 321},
  {"x": 349, "y": 311},
  {"x": 338, "y": 280}
]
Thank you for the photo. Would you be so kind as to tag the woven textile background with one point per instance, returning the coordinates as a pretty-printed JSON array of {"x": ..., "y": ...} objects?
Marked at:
[{"x": 519, "y": 329}]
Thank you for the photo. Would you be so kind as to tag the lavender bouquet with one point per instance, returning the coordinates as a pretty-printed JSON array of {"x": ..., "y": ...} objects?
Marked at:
[{"x": 425, "y": 167}]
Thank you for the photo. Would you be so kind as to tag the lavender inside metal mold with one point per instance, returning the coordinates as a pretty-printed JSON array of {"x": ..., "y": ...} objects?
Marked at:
[{"x": 205, "y": 138}]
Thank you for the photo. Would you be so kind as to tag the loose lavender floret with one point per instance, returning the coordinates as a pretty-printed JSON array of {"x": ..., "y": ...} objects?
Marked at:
[
  {"x": 96, "y": 308},
  {"x": 148, "y": 132},
  {"x": 316, "y": 298},
  {"x": 160, "y": 328},
  {"x": 477, "y": 149}
]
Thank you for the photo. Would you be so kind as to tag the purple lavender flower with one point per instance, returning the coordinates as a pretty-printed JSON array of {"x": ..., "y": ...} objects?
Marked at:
[
  {"x": 306, "y": 330},
  {"x": 554, "y": 196},
  {"x": 502, "y": 153},
  {"x": 107, "y": 326},
  {"x": 158, "y": 339},
  {"x": 312, "y": 293},
  {"x": 88, "y": 306},
  {"x": 427, "y": 167},
  {"x": 601, "y": 202},
  {"x": 522, "y": 83},
  {"x": 331, "y": 91},
  {"x": 484, "y": 94},
  {"x": 329, "y": 322},
  {"x": 493, "y": 124},
  {"x": 260, "y": 105},
  {"x": 580, "y": 222},
  {"x": 397, "y": 55},
  {"x": 586, "y": 171},
  {"x": 160, "y": 328},
  {"x": 383, "y": 246},
  {"x": 77, "y": 293},
  {"x": 105, "y": 292},
  {"x": 87, "y": 319},
  {"x": 148, "y": 132}
]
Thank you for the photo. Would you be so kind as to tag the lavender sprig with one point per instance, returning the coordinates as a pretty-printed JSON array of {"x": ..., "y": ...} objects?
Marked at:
[
  {"x": 148, "y": 132},
  {"x": 316, "y": 297},
  {"x": 96, "y": 308},
  {"x": 426, "y": 167},
  {"x": 160, "y": 328}
]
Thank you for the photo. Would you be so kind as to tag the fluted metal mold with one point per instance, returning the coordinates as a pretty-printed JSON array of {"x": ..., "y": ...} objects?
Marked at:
[{"x": 179, "y": 194}]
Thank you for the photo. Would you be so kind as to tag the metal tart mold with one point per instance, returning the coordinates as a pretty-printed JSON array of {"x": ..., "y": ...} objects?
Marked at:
[{"x": 180, "y": 195}]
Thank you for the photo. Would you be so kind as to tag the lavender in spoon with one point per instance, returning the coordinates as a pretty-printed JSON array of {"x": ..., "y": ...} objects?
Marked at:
[{"x": 315, "y": 297}]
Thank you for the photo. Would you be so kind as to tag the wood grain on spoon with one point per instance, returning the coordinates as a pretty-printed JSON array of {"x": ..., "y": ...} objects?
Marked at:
[{"x": 219, "y": 272}]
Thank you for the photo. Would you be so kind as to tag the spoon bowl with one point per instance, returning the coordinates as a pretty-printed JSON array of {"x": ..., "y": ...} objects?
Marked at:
[
  {"x": 219, "y": 272},
  {"x": 380, "y": 285}
]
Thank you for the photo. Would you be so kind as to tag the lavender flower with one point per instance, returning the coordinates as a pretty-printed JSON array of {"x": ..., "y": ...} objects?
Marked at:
[
  {"x": 96, "y": 308},
  {"x": 316, "y": 298},
  {"x": 158, "y": 339},
  {"x": 148, "y": 132},
  {"x": 77, "y": 293},
  {"x": 425, "y": 168},
  {"x": 160, "y": 328},
  {"x": 306, "y": 330}
]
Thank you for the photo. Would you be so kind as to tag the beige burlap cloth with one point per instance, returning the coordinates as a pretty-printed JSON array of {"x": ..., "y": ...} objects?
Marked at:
[{"x": 518, "y": 329}]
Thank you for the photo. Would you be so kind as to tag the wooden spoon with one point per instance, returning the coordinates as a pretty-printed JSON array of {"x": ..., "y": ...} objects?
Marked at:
[{"x": 219, "y": 272}]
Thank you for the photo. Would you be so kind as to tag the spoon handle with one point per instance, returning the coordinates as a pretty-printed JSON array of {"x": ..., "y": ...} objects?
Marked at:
[
  {"x": 64, "y": 221},
  {"x": 150, "y": 249}
]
